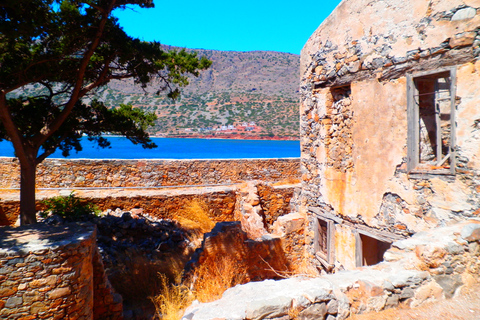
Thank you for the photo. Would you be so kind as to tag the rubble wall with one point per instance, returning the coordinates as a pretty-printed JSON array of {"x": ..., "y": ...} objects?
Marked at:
[
  {"x": 354, "y": 116},
  {"x": 430, "y": 266},
  {"x": 54, "y": 272},
  {"x": 62, "y": 173}
]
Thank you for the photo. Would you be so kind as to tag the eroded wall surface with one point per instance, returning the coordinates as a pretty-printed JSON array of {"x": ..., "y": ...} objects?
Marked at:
[
  {"x": 354, "y": 117},
  {"x": 54, "y": 273}
]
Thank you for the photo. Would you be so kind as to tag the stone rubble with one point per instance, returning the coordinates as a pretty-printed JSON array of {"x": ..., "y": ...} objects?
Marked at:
[{"x": 429, "y": 266}]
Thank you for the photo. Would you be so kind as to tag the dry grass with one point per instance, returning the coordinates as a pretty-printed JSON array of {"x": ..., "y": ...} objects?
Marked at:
[
  {"x": 173, "y": 300},
  {"x": 210, "y": 280},
  {"x": 195, "y": 217},
  {"x": 208, "y": 283},
  {"x": 289, "y": 180}
]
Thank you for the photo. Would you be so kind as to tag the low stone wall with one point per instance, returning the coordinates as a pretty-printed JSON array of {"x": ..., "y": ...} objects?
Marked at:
[
  {"x": 54, "y": 273},
  {"x": 60, "y": 173},
  {"x": 429, "y": 266}
]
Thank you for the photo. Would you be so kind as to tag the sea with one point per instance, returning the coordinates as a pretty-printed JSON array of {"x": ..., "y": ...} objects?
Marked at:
[{"x": 179, "y": 148}]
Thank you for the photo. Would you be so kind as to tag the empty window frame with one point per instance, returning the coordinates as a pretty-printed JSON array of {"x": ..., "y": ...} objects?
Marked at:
[
  {"x": 431, "y": 121},
  {"x": 324, "y": 242},
  {"x": 369, "y": 248}
]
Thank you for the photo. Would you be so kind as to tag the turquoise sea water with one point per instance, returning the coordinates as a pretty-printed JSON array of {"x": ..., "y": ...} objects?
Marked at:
[{"x": 180, "y": 148}]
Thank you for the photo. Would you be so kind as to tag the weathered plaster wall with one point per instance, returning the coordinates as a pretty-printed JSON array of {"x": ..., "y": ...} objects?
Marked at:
[
  {"x": 54, "y": 273},
  {"x": 366, "y": 48},
  {"x": 345, "y": 247},
  {"x": 61, "y": 173}
]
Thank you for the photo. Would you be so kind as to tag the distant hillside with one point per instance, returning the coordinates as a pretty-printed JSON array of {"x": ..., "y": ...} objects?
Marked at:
[
  {"x": 254, "y": 92},
  {"x": 243, "y": 94}
]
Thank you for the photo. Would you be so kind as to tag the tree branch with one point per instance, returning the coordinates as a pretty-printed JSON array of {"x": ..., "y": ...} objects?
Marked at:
[
  {"x": 15, "y": 137},
  {"x": 77, "y": 93},
  {"x": 51, "y": 150}
]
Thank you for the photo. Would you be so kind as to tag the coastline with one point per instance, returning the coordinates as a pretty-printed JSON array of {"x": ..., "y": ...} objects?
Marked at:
[{"x": 229, "y": 137}]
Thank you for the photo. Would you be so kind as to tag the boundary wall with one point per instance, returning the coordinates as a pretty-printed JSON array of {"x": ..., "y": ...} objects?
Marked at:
[{"x": 81, "y": 173}]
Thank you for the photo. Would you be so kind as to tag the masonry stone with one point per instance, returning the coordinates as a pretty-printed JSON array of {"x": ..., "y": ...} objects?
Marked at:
[
  {"x": 50, "y": 293},
  {"x": 337, "y": 296},
  {"x": 464, "y": 13}
]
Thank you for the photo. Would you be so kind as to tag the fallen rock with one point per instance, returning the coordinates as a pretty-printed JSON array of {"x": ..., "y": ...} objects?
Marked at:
[{"x": 471, "y": 232}]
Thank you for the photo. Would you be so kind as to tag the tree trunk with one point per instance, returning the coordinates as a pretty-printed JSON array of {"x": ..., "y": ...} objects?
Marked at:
[{"x": 27, "y": 193}]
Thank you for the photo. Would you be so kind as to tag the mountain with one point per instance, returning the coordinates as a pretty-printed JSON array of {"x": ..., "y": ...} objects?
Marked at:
[{"x": 243, "y": 94}]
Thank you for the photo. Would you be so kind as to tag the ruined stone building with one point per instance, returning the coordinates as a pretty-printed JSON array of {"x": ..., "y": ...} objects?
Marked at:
[{"x": 390, "y": 125}]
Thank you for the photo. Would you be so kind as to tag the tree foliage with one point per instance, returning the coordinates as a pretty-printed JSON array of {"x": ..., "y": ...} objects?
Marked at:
[{"x": 71, "y": 48}]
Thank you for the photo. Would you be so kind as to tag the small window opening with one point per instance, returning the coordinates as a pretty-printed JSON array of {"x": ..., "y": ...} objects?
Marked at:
[
  {"x": 431, "y": 107},
  {"x": 370, "y": 250},
  {"x": 325, "y": 242}
]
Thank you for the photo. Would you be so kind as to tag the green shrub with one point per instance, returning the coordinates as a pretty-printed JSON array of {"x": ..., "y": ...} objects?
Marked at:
[{"x": 69, "y": 207}]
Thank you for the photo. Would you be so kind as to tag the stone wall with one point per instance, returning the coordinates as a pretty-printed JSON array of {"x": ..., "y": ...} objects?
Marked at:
[
  {"x": 55, "y": 273},
  {"x": 60, "y": 173},
  {"x": 354, "y": 123}
]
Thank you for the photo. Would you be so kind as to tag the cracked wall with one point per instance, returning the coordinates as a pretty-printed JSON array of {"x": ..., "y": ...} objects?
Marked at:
[{"x": 354, "y": 124}]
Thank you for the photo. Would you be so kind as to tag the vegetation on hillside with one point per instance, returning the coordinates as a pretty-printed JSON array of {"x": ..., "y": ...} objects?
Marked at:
[{"x": 248, "y": 93}]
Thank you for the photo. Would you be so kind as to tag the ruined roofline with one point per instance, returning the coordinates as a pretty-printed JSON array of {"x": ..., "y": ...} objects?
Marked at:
[{"x": 385, "y": 40}]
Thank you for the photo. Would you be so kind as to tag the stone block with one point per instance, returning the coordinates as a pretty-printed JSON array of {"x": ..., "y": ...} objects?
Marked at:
[
  {"x": 7, "y": 292},
  {"x": 432, "y": 256},
  {"x": 392, "y": 301},
  {"x": 13, "y": 302},
  {"x": 315, "y": 311},
  {"x": 462, "y": 39},
  {"x": 59, "y": 292},
  {"x": 38, "y": 307},
  {"x": 376, "y": 303},
  {"x": 464, "y": 14},
  {"x": 471, "y": 232},
  {"x": 428, "y": 291},
  {"x": 449, "y": 283},
  {"x": 332, "y": 306}
]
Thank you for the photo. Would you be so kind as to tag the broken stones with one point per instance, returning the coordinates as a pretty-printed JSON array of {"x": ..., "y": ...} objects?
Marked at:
[
  {"x": 336, "y": 296},
  {"x": 462, "y": 39},
  {"x": 250, "y": 212},
  {"x": 471, "y": 232}
]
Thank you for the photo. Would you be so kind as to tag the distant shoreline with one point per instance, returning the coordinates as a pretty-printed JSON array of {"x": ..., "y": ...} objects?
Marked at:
[{"x": 230, "y": 137}]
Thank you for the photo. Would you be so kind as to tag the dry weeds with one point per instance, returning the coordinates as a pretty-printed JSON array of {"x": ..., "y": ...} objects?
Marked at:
[
  {"x": 210, "y": 280},
  {"x": 208, "y": 283},
  {"x": 173, "y": 299},
  {"x": 195, "y": 217}
]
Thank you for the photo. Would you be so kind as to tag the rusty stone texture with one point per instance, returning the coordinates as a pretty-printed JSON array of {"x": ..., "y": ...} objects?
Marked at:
[
  {"x": 362, "y": 178},
  {"x": 61, "y": 173},
  {"x": 53, "y": 273}
]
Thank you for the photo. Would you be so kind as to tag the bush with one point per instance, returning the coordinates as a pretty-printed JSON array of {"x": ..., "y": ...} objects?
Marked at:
[{"x": 68, "y": 207}]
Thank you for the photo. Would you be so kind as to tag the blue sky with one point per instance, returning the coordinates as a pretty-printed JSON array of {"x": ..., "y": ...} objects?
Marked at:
[{"x": 243, "y": 25}]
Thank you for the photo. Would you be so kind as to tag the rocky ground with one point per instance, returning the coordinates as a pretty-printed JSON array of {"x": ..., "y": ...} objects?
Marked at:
[{"x": 465, "y": 306}]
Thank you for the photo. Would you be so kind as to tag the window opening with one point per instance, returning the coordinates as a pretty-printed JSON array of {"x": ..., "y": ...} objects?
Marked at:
[
  {"x": 325, "y": 242},
  {"x": 431, "y": 114},
  {"x": 370, "y": 250}
]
